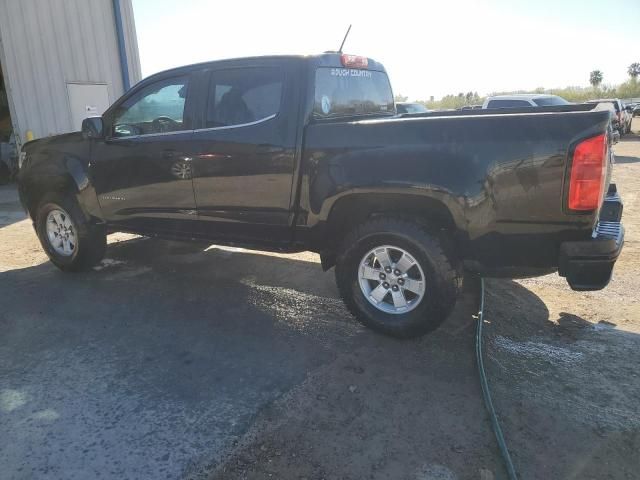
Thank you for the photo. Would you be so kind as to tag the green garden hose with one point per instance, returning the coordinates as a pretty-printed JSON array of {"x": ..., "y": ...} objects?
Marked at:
[{"x": 486, "y": 394}]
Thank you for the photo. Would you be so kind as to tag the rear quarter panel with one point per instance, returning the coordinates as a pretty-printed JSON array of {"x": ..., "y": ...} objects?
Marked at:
[{"x": 501, "y": 176}]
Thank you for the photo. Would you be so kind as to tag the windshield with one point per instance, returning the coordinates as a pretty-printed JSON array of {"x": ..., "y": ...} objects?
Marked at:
[
  {"x": 345, "y": 91},
  {"x": 549, "y": 101}
]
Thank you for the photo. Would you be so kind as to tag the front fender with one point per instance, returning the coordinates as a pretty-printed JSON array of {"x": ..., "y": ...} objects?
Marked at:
[
  {"x": 84, "y": 190},
  {"x": 58, "y": 164}
]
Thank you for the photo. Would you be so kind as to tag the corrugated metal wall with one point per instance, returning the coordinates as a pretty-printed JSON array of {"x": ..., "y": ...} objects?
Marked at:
[{"x": 44, "y": 44}]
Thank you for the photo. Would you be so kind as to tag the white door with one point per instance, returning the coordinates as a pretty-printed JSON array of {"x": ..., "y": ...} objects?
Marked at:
[{"x": 86, "y": 100}]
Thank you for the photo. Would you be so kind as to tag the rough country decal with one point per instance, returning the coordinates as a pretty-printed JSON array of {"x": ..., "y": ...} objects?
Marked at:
[
  {"x": 111, "y": 197},
  {"x": 350, "y": 72}
]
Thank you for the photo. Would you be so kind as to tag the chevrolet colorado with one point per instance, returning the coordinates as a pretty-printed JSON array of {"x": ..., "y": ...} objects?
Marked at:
[{"x": 294, "y": 153}]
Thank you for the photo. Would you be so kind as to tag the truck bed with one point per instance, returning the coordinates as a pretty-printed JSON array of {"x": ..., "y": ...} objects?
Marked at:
[{"x": 501, "y": 175}]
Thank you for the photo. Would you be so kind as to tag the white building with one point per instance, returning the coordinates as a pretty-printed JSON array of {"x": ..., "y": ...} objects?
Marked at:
[{"x": 61, "y": 61}]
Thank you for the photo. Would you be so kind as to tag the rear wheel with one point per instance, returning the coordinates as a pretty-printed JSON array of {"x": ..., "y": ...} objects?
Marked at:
[
  {"x": 396, "y": 278},
  {"x": 68, "y": 238}
]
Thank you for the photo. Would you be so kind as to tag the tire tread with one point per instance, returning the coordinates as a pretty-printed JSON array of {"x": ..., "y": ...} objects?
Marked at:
[{"x": 446, "y": 272}]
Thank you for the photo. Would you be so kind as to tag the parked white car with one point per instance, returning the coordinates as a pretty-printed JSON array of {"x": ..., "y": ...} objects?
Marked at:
[{"x": 523, "y": 100}]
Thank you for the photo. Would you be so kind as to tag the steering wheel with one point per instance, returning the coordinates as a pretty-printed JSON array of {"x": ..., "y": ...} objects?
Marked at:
[{"x": 163, "y": 124}]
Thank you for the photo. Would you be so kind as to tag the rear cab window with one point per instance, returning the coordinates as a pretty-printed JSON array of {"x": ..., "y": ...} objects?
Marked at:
[
  {"x": 508, "y": 104},
  {"x": 341, "y": 92},
  {"x": 550, "y": 101}
]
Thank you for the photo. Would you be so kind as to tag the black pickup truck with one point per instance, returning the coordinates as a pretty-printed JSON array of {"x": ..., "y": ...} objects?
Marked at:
[{"x": 294, "y": 153}]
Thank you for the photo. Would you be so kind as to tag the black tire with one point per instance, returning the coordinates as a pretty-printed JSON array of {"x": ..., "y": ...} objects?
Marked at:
[
  {"x": 91, "y": 238},
  {"x": 442, "y": 279}
]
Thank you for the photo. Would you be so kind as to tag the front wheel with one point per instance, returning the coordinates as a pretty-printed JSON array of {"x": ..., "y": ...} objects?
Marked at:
[
  {"x": 68, "y": 238},
  {"x": 395, "y": 277}
]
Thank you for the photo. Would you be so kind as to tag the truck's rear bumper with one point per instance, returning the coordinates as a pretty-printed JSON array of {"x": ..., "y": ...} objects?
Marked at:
[{"x": 588, "y": 264}]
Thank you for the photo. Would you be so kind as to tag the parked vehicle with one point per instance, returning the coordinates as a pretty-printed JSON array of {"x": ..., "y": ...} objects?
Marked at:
[
  {"x": 630, "y": 109},
  {"x": 471, "y": 107},
  {"x": 406, "y": 107},
  {"x": 615, "y": 122},
  {"x": 636, "y": 110},
  {"x": 308, "y": 153},
  {"x": 627, "y": 112},
  {"x": 523, "y": 100},
  {"x": 624, "y": 120}
]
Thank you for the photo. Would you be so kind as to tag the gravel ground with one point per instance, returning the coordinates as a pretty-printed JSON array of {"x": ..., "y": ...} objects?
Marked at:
[{"x": 159, "y": 364}]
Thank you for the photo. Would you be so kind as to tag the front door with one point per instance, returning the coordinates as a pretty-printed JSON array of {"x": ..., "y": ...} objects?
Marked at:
[
  {"x": 142, "y": 170},
  {"x": 244, "y": 156}
]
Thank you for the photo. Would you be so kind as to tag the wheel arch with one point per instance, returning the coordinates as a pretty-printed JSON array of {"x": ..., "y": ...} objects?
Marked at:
[
  {"x": 438, "y": 212},
  {"x": 67, "y": 175}
]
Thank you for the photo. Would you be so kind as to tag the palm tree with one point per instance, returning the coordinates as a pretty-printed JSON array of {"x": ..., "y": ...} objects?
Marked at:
[
  {"x": 595, "y": 78},
  {"x": 634, "y": 70}
]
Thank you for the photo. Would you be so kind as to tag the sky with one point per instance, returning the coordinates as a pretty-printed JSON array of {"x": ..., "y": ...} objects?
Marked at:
[{"x": 429, "y": 48}]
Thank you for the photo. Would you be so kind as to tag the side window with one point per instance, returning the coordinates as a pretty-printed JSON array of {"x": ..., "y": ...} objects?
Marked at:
[
  {"x": 243, "y": 95},
  {"x": 158, "y": 108},
  {"x": 508, "y": 104}
]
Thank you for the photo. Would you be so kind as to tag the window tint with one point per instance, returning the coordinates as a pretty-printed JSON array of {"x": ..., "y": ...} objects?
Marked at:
[
  {"x": 344, "y": 91},
  {"x": 549, "y": 101},
  {"x": 158, "y": 108},
  {"x": 508, "y": 104},
  {"x": 243, "y": 95},
  {"x": 411, "y": 108}
]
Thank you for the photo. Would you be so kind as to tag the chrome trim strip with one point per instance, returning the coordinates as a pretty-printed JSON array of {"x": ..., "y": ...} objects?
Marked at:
[
  {"x": 240, "y": 125},
  {"x": 129, "y": 137},
  {"x": 226, "y": 127}
]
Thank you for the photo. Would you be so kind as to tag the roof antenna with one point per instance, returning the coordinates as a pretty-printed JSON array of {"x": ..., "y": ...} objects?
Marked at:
[{"x": 344, "y": 39}]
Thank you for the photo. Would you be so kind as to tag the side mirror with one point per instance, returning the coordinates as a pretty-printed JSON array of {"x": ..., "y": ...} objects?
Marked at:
[{"x": 93, "y": 127}]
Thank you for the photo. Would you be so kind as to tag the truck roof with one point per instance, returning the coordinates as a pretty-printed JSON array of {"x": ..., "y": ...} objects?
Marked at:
[{"x": 326, "y": 59}]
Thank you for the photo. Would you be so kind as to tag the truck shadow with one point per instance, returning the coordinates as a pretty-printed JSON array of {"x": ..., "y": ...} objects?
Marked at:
[
  {"x": 623, "y": 159},
  {"x": 562, "y": 380},
  {"x": 162, "y": 333}
]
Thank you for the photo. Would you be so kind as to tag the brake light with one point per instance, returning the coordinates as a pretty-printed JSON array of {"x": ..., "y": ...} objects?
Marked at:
[
  {"x": 586, "y": 184},
  {"x": 354, "y": 61}
]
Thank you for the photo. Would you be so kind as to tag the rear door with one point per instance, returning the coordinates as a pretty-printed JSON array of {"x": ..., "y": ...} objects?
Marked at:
[
  {"x": 244, "y": 156},
  {"x": 142, "y": 170}
]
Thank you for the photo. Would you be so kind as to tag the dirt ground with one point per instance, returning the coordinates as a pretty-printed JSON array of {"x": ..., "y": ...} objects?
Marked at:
[
  {"x": 562, "y": 366},
  {"x": 158, "y": 364}
]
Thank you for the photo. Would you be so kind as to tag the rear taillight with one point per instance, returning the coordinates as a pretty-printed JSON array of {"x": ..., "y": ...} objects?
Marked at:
[{"x": 586, "y": 183}]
